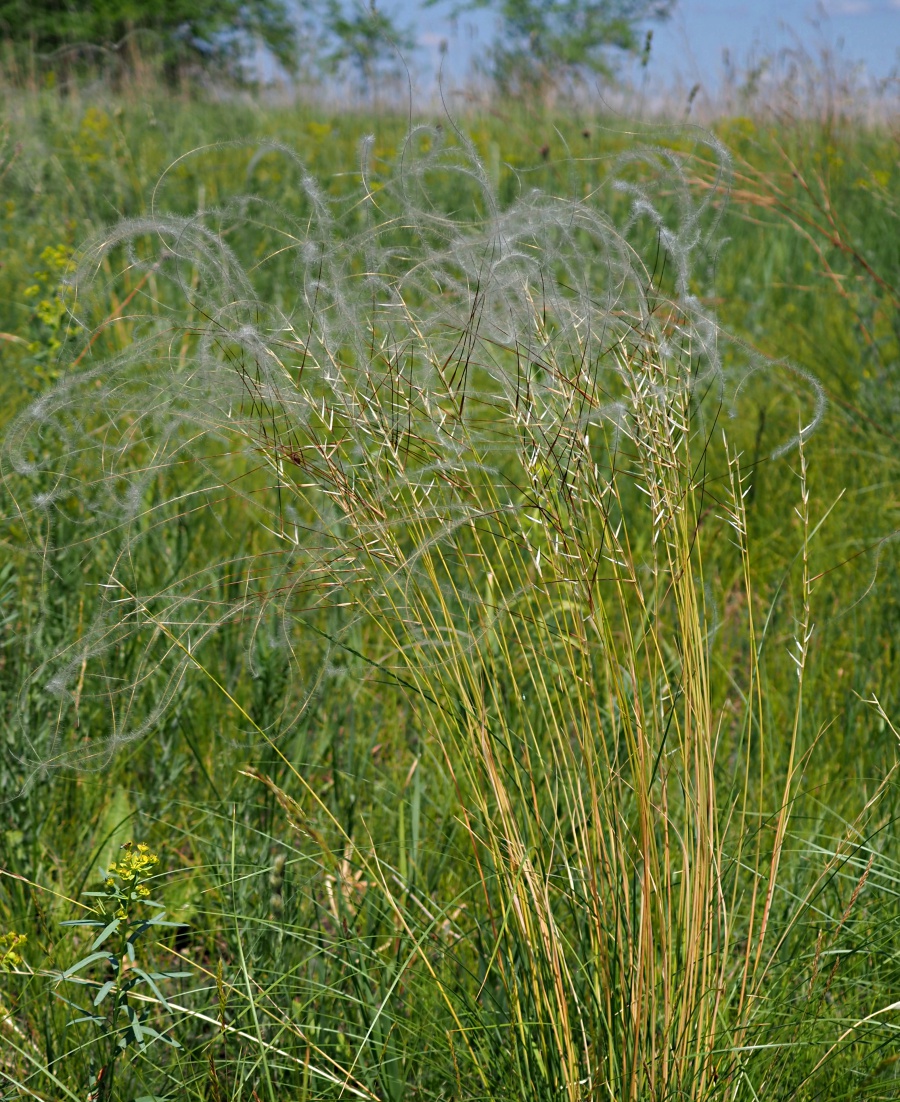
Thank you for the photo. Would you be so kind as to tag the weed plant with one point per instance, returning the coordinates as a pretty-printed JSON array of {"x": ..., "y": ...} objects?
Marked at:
[{"x": 401, "y": 561}]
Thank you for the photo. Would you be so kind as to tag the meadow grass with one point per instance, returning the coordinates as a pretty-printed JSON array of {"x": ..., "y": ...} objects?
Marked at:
[{"x": 426, "y": 562}]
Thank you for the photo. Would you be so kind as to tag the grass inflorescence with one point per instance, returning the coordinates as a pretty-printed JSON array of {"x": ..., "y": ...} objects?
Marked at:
[{"x": 492, "y": 646}]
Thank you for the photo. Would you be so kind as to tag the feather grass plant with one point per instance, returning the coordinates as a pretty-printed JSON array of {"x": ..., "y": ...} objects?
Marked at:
[{"x": 481, "y": 447}]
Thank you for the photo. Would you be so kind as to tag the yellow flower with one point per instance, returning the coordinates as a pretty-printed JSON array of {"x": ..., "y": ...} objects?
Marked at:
[
  {"x": 137, "y": 862},
  {"x": 9, "y": 942}
]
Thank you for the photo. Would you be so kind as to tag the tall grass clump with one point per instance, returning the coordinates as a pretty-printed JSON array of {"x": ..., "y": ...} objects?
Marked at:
[{"x": 474, "y": 453}]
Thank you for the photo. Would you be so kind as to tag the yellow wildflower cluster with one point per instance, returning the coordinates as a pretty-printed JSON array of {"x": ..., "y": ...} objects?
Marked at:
[
  {"x": 57, "y": 260},
  {"x": 92, "y": 143},
  {"x": 51, "y": 309},
  {"x": 137, "y": 863},
  {"x": 9, "y": 958}
]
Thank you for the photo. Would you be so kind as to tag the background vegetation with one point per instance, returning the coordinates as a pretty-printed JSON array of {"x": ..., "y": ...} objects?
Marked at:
[{"x": 337, "y": 851}]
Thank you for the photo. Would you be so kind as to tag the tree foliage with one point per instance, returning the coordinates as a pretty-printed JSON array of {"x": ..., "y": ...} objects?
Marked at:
[
  {"x": 365, "y": 39},
  {"x": 543, "y": 43},
  {"x": 215, "y": 31}
]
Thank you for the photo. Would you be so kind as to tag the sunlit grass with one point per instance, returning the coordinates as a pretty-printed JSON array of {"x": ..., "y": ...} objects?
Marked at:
[{"x": 505, "y": 730}]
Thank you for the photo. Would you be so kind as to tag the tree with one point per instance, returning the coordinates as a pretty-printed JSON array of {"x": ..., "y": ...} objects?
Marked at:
[
  {"x": 543, "y": 43},
  {"x": 365, "y": 39},
  {"x": 212, "y": 31}
]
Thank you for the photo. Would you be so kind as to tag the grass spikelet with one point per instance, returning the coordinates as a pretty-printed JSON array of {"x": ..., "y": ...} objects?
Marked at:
[{"x": 464, "y": 458}]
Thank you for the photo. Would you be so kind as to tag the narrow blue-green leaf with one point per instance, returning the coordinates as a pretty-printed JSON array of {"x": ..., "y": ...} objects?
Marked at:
[
  {"x": 148, "y": 979},
  {"x": 103, "y": 992},
  {"x": 105, "y": 933},
  {"x": 86, "y": 1018},
  {"x": 83, "y": 963},
  {"x": 135, "y": 1023},
  {"x": 153, "y": 1035}
]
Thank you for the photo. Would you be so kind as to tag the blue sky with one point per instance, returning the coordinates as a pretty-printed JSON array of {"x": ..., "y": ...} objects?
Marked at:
[{"x": 690, "y": 46}]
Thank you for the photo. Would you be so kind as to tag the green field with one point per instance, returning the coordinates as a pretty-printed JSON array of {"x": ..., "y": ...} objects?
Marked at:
[{"x": 466, "y": 558}]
